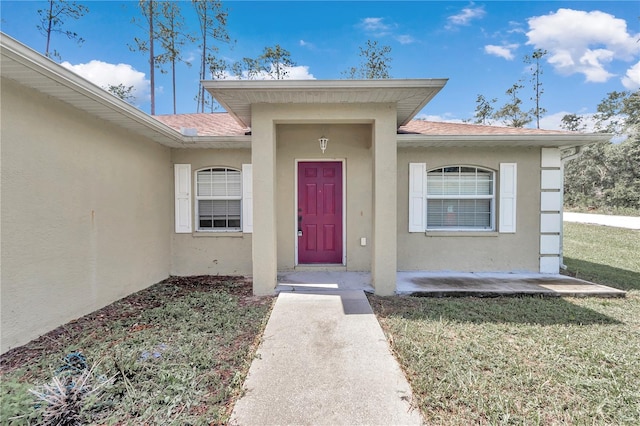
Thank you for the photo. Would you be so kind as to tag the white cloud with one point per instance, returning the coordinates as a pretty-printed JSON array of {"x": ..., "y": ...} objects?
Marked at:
[
  {"x": 405, "y": 39},
  {"x": 104, "y": 74},
  {"x": 447, "y": 117},
  {"x": 554, "y": 121},
  {"x": 375, "y": 25},
  {"x": 583, "y": 42},
  {"x": 300, "y": 72},
  {"x": 465, "y": 16},
  {"x": 504, "y": 51},
  {"x": 631, "y": 81},
  {"x": 306, "y": 44}
]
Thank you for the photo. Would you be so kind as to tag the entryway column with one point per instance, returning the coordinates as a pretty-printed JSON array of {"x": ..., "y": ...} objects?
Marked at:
[
  {"x": 384, "y": 262},
  {"x": 263, "y": 158}
]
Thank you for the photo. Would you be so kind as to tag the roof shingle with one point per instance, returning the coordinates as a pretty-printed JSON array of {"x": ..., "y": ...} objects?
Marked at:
[{"x": 223, "y": 124}]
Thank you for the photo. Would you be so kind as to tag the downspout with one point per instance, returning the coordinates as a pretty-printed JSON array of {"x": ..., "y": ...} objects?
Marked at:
[{"x": 577, "y": 153}]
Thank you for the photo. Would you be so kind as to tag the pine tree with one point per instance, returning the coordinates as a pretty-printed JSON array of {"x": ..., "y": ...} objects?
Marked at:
[{"x": 52, "y": 20}]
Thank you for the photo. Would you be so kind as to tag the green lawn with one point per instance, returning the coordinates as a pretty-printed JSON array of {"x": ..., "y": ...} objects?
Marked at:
[{"x": 529, "y": 360}]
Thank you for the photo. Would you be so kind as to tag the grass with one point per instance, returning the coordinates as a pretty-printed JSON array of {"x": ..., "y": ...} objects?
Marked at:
[
  {"x": 529, "y": 360},
  {"x": 619, "y": 211},
  {"x": 175, "y": 353}
]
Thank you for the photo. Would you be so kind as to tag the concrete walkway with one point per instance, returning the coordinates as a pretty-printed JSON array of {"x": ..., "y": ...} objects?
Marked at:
[
  {"x": 628, "y": 222},
  {"x": 324, "y": 360}
]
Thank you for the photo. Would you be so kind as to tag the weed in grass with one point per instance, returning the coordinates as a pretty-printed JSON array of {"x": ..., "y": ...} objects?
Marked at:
[{"x": 66, "y": 400}]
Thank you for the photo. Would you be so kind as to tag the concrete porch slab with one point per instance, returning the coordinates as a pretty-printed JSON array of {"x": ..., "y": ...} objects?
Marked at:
[
  {"x": 486, "y": 284},
  {"x": 449, "y": 284}
]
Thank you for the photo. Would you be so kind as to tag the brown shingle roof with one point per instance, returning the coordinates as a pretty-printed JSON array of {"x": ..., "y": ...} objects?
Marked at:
[
  {"x": 222, "y": 124},
  {"x": 209, "y": 124},
  {"x": 422, "y": 127}
]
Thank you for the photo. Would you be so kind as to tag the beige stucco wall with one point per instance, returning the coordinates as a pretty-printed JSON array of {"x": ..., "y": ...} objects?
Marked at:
[
  {"x": 210, "y": 253},
  {"x": 85, "y": 213},
  {"x": 498, "y": 252},
  {"x": 350, "y": 143}
]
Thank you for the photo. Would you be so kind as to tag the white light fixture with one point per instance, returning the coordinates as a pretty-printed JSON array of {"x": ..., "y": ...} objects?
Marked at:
[{"x": 323, "y": 143}]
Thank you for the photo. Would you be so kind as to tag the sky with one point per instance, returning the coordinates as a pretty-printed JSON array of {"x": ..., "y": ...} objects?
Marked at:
[{"x": 593, "y": 47}]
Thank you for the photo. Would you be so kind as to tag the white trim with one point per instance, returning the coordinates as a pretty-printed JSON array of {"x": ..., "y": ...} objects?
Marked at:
[
  {"x": 344, "y": 203},
  {"x": 550, "y": 223},
  {"x": 417, "y": 197},
  {"x": 550, "y": 201},
  {"x": 549, "y": 265},
  {"x": 508, "y": 197},
  {"x": 491, "y": 197},
  {"x": 198, "y": 198},
  {"x": 551, "y": 179},
  {"x": 182, "y": 185},
  {"x": 550, "y": 157},
  {"x": 550, "y": 244},
  {"x": 247, "y": 198}
]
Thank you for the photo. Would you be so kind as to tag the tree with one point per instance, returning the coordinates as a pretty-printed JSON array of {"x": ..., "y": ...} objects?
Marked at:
[
  {"x": 608, "y": 174},
  {"x": 151, "y": 13},
  {"x": 172, "y": 38},
  {"x": 212, "y": 19},
  {"x": 536, "y": 73},
  {"x": 275, "y": 61},
  {"x": 247, "y": 68},
  {"x": 484, "y": 109},
  {"x": 573, "y": 123},
  {"x": 511, "y": 113},
  {"x": 121, "y": 91},
  {"x": 375, "y": 62},
  {"x": 52, "y": 20}
]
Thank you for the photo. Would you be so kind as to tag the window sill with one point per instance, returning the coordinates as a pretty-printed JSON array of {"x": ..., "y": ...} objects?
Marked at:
[
  {"x": 234, "y": 234},
  {"x": 461, "y": 233}
]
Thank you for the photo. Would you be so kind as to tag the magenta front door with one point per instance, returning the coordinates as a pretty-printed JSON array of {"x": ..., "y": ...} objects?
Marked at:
[{"x": 319, "y": 212}]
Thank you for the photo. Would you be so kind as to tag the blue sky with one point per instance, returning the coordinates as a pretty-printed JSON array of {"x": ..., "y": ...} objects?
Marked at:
[{"x": 593, "y": 46}]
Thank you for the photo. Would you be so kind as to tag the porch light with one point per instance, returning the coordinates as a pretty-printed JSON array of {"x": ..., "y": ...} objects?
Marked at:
[{"x": 323, "y": 143}]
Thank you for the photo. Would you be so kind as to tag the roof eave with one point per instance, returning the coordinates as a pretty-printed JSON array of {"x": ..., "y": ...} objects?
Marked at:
[
  {"x": 217, "y": 142},
  {"x": 550, "y": 140},
  {"x": 128, "y": 116}
]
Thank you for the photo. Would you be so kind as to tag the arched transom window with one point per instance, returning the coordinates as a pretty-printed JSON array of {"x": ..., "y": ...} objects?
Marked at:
[{"x": 460, "y": 198}]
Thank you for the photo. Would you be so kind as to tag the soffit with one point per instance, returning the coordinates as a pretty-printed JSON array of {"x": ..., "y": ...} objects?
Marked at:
[
  {"x": 237, "y": 96},
  {"x": 31, "y": 69}
]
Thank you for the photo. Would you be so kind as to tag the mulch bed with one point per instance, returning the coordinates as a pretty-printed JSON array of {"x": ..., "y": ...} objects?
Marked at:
[{"x": 173, "y": 287}]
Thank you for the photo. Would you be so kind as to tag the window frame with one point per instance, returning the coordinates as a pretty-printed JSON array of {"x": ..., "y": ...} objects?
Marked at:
[
  {"x": 491, "y": 197},
  {"x": 225, "y": 197}
]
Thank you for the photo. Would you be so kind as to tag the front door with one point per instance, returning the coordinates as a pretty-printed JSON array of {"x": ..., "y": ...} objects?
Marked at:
[{"x": 319, "y": 212}]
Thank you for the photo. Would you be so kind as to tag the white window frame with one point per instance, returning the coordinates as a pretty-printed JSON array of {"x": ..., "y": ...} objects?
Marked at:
[
  {"x": 491, "y": 197},
  {"x": 199, "y": 197}
]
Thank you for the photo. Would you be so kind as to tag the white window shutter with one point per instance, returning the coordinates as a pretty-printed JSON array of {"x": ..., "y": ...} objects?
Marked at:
[
  {"x": 417, "y": 202},
  {"x": 247, "y": 198},
  {"x": 508, "y": 185},
  {"x": 183, "y": 197}
]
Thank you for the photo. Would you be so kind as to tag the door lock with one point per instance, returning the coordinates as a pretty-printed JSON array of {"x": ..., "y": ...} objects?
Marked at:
[{"x": 299, "y": 232}]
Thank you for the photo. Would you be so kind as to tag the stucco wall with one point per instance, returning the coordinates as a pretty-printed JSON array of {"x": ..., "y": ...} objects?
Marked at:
[
  {"x": 497, "y": 252},
  {"x": 348, "y": 142},
  {"x": 85, "y": 213},
  {"x": 210, "y": 253}
]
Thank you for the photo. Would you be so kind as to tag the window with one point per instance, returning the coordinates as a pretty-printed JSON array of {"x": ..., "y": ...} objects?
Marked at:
[
  {"x": 218, "y": 199},
  {"x": 460, "y": 198}
]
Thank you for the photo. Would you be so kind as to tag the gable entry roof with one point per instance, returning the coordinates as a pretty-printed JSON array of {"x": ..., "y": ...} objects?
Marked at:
[{"x": 237, "y": 96}]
